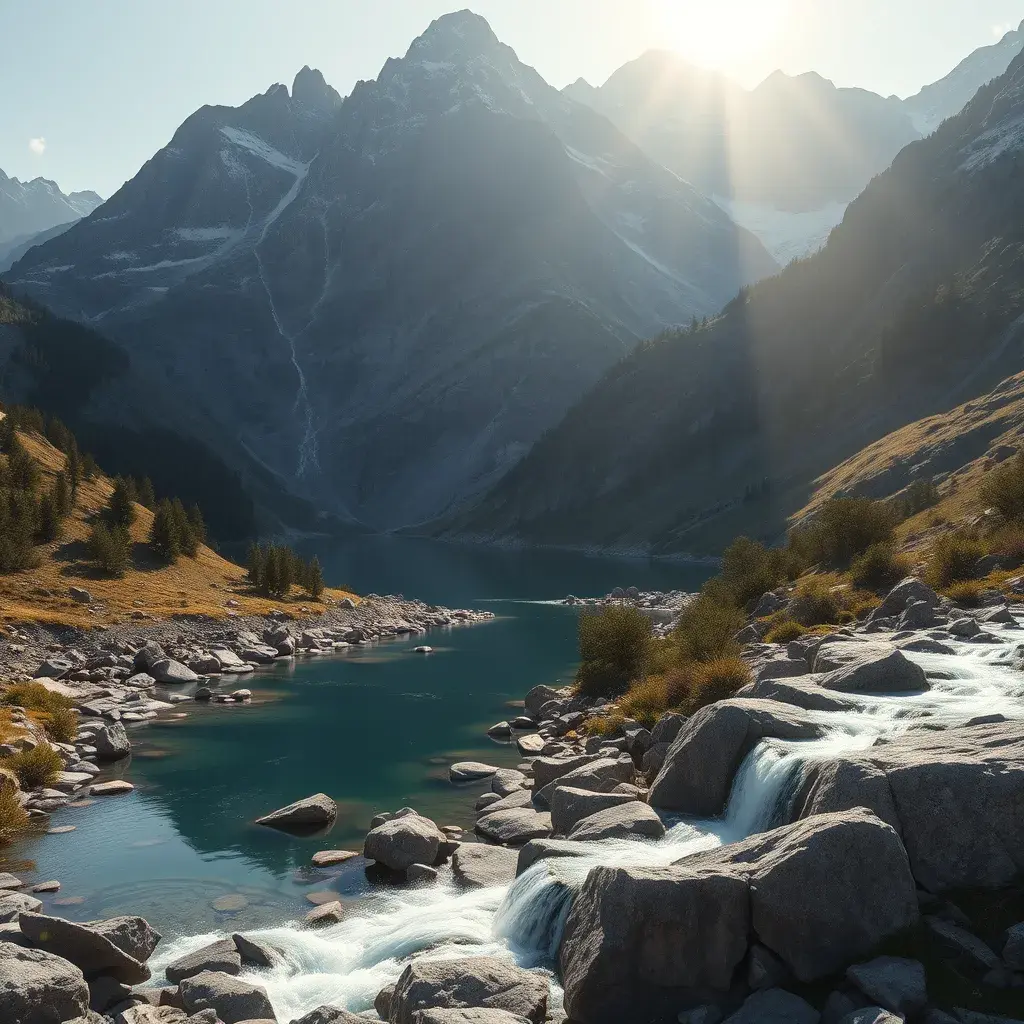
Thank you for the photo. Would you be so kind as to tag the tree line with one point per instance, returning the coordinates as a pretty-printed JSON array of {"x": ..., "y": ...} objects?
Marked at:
[{"x": 273, "y": 569}]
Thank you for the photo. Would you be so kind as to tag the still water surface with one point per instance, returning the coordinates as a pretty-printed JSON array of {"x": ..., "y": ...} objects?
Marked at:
[{"x": 375, "y": 728}]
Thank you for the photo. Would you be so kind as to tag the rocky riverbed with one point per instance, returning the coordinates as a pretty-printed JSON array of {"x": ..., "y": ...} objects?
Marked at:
[
  {"x": 663, "y": 608},
  {"x": 814, "y": 849}
]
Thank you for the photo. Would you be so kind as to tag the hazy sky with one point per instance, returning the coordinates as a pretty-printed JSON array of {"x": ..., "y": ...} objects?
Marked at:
[{"x": 92, "y": 88}]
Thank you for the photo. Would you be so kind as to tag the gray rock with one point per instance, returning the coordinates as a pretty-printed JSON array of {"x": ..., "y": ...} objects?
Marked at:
[
  {"x": 14, "y": 904},
  {"x": 234, "y": 1000},
  {"x": 218, "y": 956},
  {"x": 843, "y": 784},
  {"x": 106, "y": 991},
  {"x": 819, "y": 893},
  {"x": 891, "y": 982},
  {"x": 801, "y": 694},
  {"x": 570, "y": 805},
  {"x": 478, "y": 866},
  {"x": 515, "y": 825},
  {"x": 329, "y": 1015},
  {"x": 702, "y": 761},
  {"x": 470, "y": 771},
  {"x": 472, "y": 982},
  {"x": 654, "y": 761},
  {"x": 871, "y": 668},
  {"x": 171, "y": 672},
  {"x": 470, "y": 1015},
  {"x": 965, "y": 628},
  {"x": 255, "y": 953},
  {"x": 782, "y": 668},
  {"x": 133, "y": 935},
  {"x": 147, "y": 656},
  {"x": 500, "y": 730},
  {"x": 484, "y": 800},
  {"x": 382, "y": 1002},
  {"x": 309, "y": 813},
  {"x": 962, "y": 944},
  {"x": 872, "y": 1015},
  {"x": 402, "y": 842},
  {"x": 769, "y": 604},
  {"x": 538, "y": 697},
  {"x": 111, "y": 742},
  {"x": 85, "y": 947},
  {"x": 774, "y": 1006},
  {"x": 599, "y": 776},
  {"x": 506, "y": 781},
  {"x": 37, "y": 987},
  {"x": 904, "y": 593},
  {"x": 918, "y": 615},
  {"x": 80, "y": 595},
  {"x": 621, "y": 822},
  {"x": 325, "y": 915},
  {"x": 764, "y": 969},
  {"x": 667, "y": 728},
  {"x": 546, "y": 849},
  {"x": 547, "y": 769},
  {"x": 54, "y": 668},
  {"x": 9, "y": 881}
]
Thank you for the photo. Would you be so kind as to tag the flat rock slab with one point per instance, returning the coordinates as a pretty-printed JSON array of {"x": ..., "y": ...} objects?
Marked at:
[
  {"x": 531, "y": 744},
  {"x": 470, "y": 771},
  {"x": 87, "y": 948},
  {"x": 218, "y": 956},
  {"x": 478, "y": 866},
  {"x": 621, "y": 822},
  {"x": 328, "y": 858},
  {"x": 515, "y": 826},
  {"x": 113, "y": 788}
]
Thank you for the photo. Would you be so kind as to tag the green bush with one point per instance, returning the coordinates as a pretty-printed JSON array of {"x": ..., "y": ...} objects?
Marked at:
[
  {"x": 749, "y": 569},
  {"x": 615, "y": 648},
  {"x": 62, "y": 725},
  {"x": 953, "y": 559},
  {"x": 921, "y": 494},
  {"x": 815, "y": 603},
  {"x": 35, "y": 697},
  {"x": 110, "y": 547},
  {"x": 843, "y": 529},
  {"x": 1003, "y": 489},
  {"x": 786, "y": 630},
  {"x": 717, "y": 680},
  {"x": 37, "y": 767},
  {"x": 13, "y": 817},
  {"x": 1008, "y": 543},
  {"x": 880, "y": 568},
  {"x": 707, "y": 628}
]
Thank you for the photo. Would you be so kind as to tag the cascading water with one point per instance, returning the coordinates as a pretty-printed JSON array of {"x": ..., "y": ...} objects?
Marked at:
[{"x": 349, "y": 963}]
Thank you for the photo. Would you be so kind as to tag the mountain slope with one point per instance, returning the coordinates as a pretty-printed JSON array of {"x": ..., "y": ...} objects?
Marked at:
[
  {"x": 384, "y": 301},
  {"x": 12, "y": 250},
  {"x": 793, "y": 143},
  {"x": 916, "y": 303},
  {"x": 949, "y": 95},
  {"x": 28, "y": 207}
]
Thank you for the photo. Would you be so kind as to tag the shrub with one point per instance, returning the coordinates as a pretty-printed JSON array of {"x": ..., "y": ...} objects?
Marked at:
[
  {"x": 843, "y": 529},
  {"x": 749, "y": 569},
  {"x": 786, "y": 630},
  {"x": 645, "y": 701},
  {"x": 717, "y": 680},
  {"x": 967, "y": 593},
  {"x": 953, "y": 559},
  {"x": 110, "y": 547},
  {"x": 35, "y": 697},
  {"x": 880, "y": 568},
  {"x": 13, "y": 817},
  {"x": 37, "y": 767},
  {"x": 1008, "y": 543},
  {"x": 615, "y": 647},
  {"x": 816, "y": 602},
  {"x": 707, "y": 628},
  {"x": 921, "y": 494},
  {"x": 1003, "y": 489},
  {"x": 864, "y": 606},
  {"x": 602, "y": 725},
  {"x": 62, "y": 725}
]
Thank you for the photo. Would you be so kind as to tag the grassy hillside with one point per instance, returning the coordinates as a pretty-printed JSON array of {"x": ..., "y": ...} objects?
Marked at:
[{"x": 149, "y": 588}]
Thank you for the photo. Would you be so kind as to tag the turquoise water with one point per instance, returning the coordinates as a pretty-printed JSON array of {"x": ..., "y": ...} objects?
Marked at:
[{"x": 375, "y": 728}]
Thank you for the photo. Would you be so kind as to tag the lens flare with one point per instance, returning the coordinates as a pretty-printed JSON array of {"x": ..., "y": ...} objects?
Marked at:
[{"x": 718, "y": 33}]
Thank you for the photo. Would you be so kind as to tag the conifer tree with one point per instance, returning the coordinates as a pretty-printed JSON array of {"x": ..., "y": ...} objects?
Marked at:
[
  {"x": 164, "y": 535},
  {"x": 314, "y": 579},
  {"x": 146, "y": 494},
  {"x": 121, "y": 509}
]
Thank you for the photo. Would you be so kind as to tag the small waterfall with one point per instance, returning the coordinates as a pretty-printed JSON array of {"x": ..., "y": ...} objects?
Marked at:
[{"x": 532, "y": 916}]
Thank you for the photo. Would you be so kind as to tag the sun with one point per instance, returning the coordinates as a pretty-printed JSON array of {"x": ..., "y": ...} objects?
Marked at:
[{"x": 720, "y": 33}]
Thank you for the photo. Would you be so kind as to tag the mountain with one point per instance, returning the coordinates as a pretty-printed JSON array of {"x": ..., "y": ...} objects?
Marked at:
[
  {"x": 28, "y": 207},
  {"x": 948, "y": 96},
  {"x": 793, "y": 143},
  {"x": 384, "y": 301},
  {"x": 914, "y": 306},
  {"x": 12, "y": 250}
]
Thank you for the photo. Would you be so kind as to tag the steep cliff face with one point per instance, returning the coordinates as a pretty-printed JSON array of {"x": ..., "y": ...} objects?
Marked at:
[
  {"x": 385, "y": 300},
  {"x": 914, "y": 306}
]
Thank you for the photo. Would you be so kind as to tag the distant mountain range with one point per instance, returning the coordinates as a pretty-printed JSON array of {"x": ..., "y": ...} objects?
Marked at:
[
  {"x": 384, "y": 301},
  {"x": 28, "y": 207},
  {"x": 913, "y": 307}
]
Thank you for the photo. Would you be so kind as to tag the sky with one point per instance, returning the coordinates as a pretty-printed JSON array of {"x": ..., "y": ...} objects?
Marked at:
[{"x": 92, "y": 89}]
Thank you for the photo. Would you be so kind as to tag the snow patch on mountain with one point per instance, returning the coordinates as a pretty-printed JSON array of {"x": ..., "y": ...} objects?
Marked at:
[
  {"x": 256, "y": 146},
  {"x": 786, "y": 235}
]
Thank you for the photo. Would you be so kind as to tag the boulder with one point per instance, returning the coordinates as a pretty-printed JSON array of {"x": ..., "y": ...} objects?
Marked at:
[
  {"x": 324, "y": 915},
  {"x": 147, "y": 656},
  {"x": 964, "y": 628},
  {"x": 133, "y": 935},
  {"x": 54, "y": 668},
  {"x": 402, "y": 842},
  {"x": 84, "y": 946},
  {"x": 478, "y": 866},
  {"x": 514, "y": 825},
  {"x": 801, "y": 694},
  {"x": 917, "y": 615},
  {"x": 486, "y": 800},
  {"x": 500, "y": 730},
  {"x": 1013, "y": 951},
  {"x": 106, "y": 991},
  {"x": 115, "y": 787},
  {"x": 470, "y": 1015},
  {"x": 774, "y": 1006},
  {"x": 37, "y": 987},
  {"x": 667, "y": 728},
  {"x": 171, "y": 673},
  {"x": 769, "y": 604},
  {"x": 471, "y": 982},
  {"x": 570, "y": 805},
  {"x": 328, "y": 1015},
  {"x": 226, "y": 658},
  {"x": 111, "y": 742},
  {"x": 234, "y": 1000},
  {"x": 891, "y": 982},
  {"x": 312, "y": 812},
  {"x": 470, "y": 771},
  {"x": 221, "y": 956},
  {"x": 842, "y": 784},
  {"x": 506, "y": 781},
  {"x": 530, "y": 745},
  {"x": 538, "y": 697},
  {"x": 903, "y": 594},
  {"x": 599, "y": 776},
  {"x": 868, "y": 667},
  {"x": 14, "y": 904},
  {"x": 654, "y": 761},
  {"x": 328, "y": 858},
  {"x": 820, "y": 893},
  {"x": 547, "y": 769},
  {"x": 255, "y": 953},
  {"x": 703, "y": 759},
  {"x": 625, "y": 821},
  {"x": 79, "y": 595},
  {"x": 782, "y": 668}
]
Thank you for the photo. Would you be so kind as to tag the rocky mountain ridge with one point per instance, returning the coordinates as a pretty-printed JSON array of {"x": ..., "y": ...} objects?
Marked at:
[
  {"x": 454, "y": 251},
  {"x": 28, "y": 207}
]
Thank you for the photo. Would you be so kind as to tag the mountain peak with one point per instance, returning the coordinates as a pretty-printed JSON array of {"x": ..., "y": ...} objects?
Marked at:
[
  {"x": 311, "y": 90},
  {"x": 457, "y": 34}
]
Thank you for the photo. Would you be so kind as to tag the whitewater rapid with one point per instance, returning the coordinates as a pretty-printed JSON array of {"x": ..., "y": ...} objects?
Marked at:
[{"x": 348, "y": 963}]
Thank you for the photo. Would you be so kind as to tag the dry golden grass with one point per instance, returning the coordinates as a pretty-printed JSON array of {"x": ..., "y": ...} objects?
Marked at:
[{"x": 193, "y": 586}]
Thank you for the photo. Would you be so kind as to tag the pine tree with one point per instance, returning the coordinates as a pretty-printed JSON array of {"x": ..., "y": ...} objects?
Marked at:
[
  {"x": 271, "y": 572},
  {"x": 121, "y": 508},
  {"x": 62, "y": 494},
  {"x": 147, "y": 496},
  {"x": 22, "y": 471},
  {"x": 164, "y": 535},
  {"x": 110, "y": 547},
  {"x": 256, "y": 564},
  {"x": 48, "y": 518},
  {"x": 89, "y": 467},
  {"x": 196, "y": 524},
  {"x": 73, "y": 466},
  {"x": 314, "y": 579},
  {"x": 187, "y": 541},
  {"x": 6, "y": 432}
]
